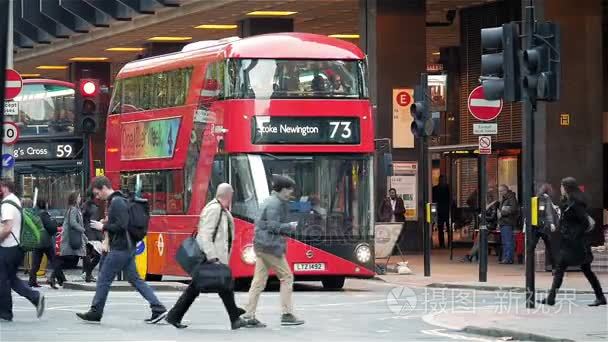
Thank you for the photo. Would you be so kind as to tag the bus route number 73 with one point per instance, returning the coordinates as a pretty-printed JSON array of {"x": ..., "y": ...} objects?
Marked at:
[{"x": 341, "y": 128}]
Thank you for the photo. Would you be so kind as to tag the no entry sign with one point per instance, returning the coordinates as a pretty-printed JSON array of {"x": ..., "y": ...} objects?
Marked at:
[
  {"x": 13, "y": 84},
  {"x": 482, "y": 109}
]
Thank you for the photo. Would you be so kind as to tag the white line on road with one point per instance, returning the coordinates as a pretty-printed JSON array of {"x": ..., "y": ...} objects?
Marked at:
[{"x": 441, "y": 333}]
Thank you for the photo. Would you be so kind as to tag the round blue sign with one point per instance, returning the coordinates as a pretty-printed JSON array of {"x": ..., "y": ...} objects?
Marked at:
[
  {"x": 8, "y": 161},
  {"x": 140, "y": 248}
]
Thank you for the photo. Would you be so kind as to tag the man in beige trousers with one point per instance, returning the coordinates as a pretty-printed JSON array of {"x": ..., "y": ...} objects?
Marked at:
[{"x": 269, "y": 245}]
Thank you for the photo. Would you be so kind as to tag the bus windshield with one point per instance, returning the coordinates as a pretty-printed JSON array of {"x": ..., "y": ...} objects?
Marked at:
[
  {"x": 331, "y": 199},
  {"x": 45, "y": 109},
  {"x": 281, "y": 78}
]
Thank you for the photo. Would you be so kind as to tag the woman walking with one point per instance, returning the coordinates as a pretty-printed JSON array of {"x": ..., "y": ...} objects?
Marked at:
[
  {"x": 73, "y": 240},
  {"x": 91, "y": 212},
  {"x": 574, "y": 251}
]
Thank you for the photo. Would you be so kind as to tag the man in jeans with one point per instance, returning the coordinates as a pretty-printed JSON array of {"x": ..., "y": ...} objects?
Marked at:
[
  {"x": 121, "y": 256},
  {"x": 269, "y": 246},
  {"x": 11, "y": 255},
  {"x": 508, "y": 216}
]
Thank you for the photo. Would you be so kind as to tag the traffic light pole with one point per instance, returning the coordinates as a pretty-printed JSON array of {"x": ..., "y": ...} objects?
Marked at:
[
  {"x": 426, "y": 227},
  {"x": 483, "y": 227},
  {"x": 529, "y": 107}
]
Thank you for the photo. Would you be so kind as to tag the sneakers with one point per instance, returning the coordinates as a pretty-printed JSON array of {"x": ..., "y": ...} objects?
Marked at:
[
  {"x": 156, "y": 317},
  {"x": 40, "y": 306},
  {"x": 290, "y": 319},
  {"x": 254, "y": 323},
  {"x": 239, "y": 323},
  {"x": 90, "y": 317}
]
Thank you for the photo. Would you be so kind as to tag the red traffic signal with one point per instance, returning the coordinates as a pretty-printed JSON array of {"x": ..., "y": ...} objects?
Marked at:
[{"x": 89, "y": 87}]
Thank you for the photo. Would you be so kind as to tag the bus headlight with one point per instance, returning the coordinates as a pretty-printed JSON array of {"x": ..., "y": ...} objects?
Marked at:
[
  {"x": 363, "y": 253},
  {"x": 248, "y": 255}
]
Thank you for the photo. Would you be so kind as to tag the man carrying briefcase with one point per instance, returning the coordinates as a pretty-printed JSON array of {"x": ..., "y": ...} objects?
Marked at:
[{"x": 215, "y": 236}]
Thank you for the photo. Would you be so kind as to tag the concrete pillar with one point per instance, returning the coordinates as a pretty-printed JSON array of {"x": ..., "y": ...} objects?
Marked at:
[
  {"x": 575, "y": 150},
  {"x": 255, "y": 26},
  {"x": 393, "y": 34}
]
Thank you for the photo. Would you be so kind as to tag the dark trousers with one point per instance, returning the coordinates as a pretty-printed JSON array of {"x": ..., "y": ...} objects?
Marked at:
[
  {"x": 10, "y": 259},
  {"x": 508, "y": 243},
  {"x": 37, "y": 259},
  {"x": 558, "y": 278},
  {"x": 115, "y": 262},
  {"x": 547, "y": 240},
  {"x": 187, "y": 298},
  {"x": 442, "y": 222},
  {"x": 58, "y": 270},
  {"x": 90, "y": 261}
]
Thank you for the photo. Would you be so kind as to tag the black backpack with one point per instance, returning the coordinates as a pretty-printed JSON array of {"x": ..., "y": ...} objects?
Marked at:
[{"x": 139, "y": 216}]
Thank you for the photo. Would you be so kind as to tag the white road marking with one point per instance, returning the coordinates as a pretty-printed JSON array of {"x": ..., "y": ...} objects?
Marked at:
[{"x": 441, "y": 333}]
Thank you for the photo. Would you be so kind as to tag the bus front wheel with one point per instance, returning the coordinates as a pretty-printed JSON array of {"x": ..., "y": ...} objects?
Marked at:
[
  {"x": 333, "y": 283},
  {"x": 154, "y": 277}
]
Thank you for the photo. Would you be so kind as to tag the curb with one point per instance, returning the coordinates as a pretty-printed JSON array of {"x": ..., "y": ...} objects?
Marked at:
[
  {"x": 492, "y": 288},
  {"x": 123, "y": 286},
  {"x": 517, "y": 335}
]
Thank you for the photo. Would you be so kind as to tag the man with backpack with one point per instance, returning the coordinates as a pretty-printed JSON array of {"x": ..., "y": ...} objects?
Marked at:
[
  {"x": 124, "y": 227},
  {"x": 11, "y": 254}
]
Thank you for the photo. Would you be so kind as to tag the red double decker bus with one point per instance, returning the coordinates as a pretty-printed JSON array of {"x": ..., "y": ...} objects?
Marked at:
[{"x": 239, "y": 111}]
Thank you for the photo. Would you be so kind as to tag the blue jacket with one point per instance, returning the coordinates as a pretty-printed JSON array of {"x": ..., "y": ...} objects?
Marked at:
[{"x": 271, "y": 226}]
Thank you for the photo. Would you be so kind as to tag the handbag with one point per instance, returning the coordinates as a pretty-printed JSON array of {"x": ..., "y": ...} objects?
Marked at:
[
  {"x": 212, "y": 277},
  {"x": 189, "y": 255},
  {"x": 74, "y": 236}
]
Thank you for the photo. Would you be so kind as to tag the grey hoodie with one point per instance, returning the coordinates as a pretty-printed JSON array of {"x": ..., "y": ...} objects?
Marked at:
[{"x": 271, "y": 225}]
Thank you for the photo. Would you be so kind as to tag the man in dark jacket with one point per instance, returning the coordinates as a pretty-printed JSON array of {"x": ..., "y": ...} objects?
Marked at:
[
  {"x": 392, "y": 208},
  {"x": 269, "y": 246},
  {"x": 121, "y": 257},
  {"x": 441, "y": 196},
  {"x": 508, "y": 216},
  {"x": 50, "y": 226}
]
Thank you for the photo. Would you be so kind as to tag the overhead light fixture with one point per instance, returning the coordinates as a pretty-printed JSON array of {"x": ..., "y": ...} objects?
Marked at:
[
  {"x": 88, "y": 59},
  {"x": 345, "y": 36},
  {"x": 52, "y": 67},
  {"x": 126, "y": 49},
  {"x": 217, "y": 26},
  {"x": 30, "y": 75},
  {"x": 271, "y": 13},
  {"x": 169, "y": 39},
  {"x": 436, "y": 53}
]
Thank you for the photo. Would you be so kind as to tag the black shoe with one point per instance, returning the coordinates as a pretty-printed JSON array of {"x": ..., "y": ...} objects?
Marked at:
[
  {"x": 90, "y": 317},
  {"x": 547, "y": 301},
  {"x": 241, "y": 311},
  {"x": 33, "y": 284},
  {"x": 598, "y": 302},
  {"x": 178, "y": 325},
  {"x": 239, "y": 323},
  {"x": 289, "y": 319},
  {"x": 40, "y": 306},
  {"x": 156, "y": 317},
  {"x": 52, "y": 284},
  {"x": 2, "y": 319},
  {"x": 254, "y": 323}
]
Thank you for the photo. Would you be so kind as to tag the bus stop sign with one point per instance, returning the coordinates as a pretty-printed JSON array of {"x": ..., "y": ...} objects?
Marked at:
[{"x": 13, "y": 84}]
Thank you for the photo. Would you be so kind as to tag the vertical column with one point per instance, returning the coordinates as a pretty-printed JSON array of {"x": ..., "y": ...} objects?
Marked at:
[
  {"x": 565, "y": 148},
  {"x": 103, "y": 72},
  {"x": 255, "y": 26},
  {"x": 393, "y": 34}
]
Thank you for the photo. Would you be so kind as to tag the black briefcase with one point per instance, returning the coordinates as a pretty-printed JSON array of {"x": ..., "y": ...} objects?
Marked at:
[
  {"x": 189, "y": 254},
  {"x": 212, "y": 277}
]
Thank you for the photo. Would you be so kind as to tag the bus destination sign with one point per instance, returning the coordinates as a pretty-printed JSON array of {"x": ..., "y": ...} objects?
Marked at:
[
  {"x": 305, "y": 130},
  {"x": 37, "y": 151}
]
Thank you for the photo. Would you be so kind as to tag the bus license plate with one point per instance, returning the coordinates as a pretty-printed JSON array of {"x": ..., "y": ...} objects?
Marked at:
[{"x": 309, "y": 267}]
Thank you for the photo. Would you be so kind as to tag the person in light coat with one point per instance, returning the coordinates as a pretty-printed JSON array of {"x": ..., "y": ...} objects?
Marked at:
[{"x": 215, "y": 215}]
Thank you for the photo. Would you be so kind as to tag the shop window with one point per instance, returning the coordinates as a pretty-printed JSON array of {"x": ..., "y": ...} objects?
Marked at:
[{"x": 163, "y": 189}]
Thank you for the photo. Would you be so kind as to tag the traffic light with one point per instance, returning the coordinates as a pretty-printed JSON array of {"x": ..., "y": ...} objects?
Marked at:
[
  {"x": 542, "y": 65},
  {"x": 422, "y": 124},
  {"x": 500, "y": 70},
  {"x": 87, "y": 105}
]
